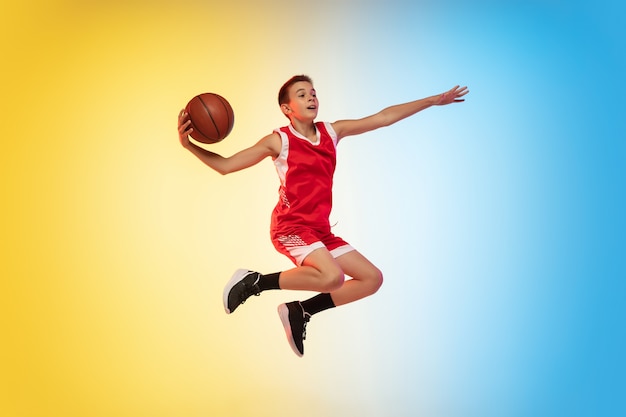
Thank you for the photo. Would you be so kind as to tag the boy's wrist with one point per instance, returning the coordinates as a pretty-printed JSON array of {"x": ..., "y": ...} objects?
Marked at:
[{"x": 188, "y": 144}]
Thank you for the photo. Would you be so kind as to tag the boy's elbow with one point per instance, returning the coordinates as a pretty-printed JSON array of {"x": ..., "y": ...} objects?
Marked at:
[
  {"x": 226, "y": 169},
  {"x": 222, "y": 166},
  {"x": 223, "y": 172},
  {"x": 385, "y": 118}
]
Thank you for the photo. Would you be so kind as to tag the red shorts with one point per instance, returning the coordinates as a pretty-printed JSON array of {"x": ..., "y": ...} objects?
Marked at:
[{"x": 299, "y": 242}]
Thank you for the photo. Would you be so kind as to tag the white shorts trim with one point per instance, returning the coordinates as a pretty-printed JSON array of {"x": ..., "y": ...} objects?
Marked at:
[
  {"x": 300, "y": 253},
  {"x": 341, "y": 250}
]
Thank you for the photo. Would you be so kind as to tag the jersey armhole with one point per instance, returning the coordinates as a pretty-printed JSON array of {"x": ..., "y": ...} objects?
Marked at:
[
  {"x": 331, "y": 132},
  {"x": 284, "y": 147}
]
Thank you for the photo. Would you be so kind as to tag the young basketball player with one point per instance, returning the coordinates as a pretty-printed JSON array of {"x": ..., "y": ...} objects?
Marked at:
[{"x": 304, "y": 154}]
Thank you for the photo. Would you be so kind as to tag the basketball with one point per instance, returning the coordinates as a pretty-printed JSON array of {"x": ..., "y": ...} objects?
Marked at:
[{"x": 211, "y": 116}]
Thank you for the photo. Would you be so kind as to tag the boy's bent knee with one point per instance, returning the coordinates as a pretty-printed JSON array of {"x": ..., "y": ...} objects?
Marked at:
[
  {"x": 375, "y": 280},
  {"x": 332, "y": 280}
]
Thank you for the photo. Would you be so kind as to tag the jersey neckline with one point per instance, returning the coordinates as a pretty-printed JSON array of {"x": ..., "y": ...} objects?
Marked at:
[{"x": 301, "y": 136}]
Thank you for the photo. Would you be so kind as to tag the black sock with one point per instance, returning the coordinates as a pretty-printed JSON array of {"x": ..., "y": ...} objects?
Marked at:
[
  {"x": 269, "y": 281},
  {"x": 318, "y": 303}
]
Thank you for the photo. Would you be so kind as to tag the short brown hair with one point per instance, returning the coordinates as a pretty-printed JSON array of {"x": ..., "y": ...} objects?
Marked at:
[{"x": 283, "y": 93}]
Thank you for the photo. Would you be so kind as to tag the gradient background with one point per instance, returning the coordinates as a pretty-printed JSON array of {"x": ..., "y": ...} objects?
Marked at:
[{"x": 499, "y": 223}]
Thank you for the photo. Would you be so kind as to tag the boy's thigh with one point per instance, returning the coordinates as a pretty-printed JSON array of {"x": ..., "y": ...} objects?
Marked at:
[
  {"x": 321, "y": 259},
  {"x": 357, "y": 266}
]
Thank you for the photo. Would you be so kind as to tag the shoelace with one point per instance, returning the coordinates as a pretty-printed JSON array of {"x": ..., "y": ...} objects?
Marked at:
[
  {"x": 248, "y": 291},
  {"x": 306, "y": 317}
]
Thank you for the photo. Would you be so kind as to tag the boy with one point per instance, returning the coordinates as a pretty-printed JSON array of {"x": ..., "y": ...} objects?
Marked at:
[{"x": 304, "y": 155}]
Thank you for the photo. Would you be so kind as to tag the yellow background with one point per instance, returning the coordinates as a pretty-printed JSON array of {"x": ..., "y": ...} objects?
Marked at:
[{"x": 115, "y": 246}]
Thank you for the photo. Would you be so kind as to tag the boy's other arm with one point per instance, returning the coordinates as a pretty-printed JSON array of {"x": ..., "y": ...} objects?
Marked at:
[
  {"x": 393, "y": 114},
  {"x": 268, "y": 146}
]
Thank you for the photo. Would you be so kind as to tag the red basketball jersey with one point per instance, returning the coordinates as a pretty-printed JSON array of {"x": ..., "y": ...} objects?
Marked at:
[{"x": 306, "y": 173}]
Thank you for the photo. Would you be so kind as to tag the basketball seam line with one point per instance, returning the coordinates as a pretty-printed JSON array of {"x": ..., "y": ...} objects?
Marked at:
[
  {"x": 211, "y": 116},
  {"x": 226, "y": 108}
]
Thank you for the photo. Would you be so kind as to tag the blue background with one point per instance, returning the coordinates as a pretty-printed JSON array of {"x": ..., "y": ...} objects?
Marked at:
[{"x": 501, "y": 220}]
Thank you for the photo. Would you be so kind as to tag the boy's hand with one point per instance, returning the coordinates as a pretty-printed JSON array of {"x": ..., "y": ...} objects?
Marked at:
[
  {"x": 184, "y": 128},
  {"x": 452, "y": 96}
]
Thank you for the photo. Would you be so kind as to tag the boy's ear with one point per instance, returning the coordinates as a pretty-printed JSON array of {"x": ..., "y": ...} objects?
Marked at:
[{"x": 285, "y": 108}]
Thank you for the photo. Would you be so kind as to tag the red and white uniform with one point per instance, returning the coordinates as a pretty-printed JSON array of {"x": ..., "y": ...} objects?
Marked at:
[{"x": 300, "y": 220}]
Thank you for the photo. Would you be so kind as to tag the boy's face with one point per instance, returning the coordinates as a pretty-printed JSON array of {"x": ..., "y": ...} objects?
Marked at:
[{"x": 303, "y": 103}]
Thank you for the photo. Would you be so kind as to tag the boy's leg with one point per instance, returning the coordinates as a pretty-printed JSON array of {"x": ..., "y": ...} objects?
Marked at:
[
  {"x": 366, "y": 280},
  {"x": 319, "y": 272}
]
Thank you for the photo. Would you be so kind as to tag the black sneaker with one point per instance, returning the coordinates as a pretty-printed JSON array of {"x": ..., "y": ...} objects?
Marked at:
[
  {"x": 294, "y": 320},
  {"x": 241, "y": 285}
]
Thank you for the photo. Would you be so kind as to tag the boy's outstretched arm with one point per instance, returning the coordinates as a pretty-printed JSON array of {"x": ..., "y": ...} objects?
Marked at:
[
  {"x": 393, "y": 114},
  {"x": 268, "y": 146}
]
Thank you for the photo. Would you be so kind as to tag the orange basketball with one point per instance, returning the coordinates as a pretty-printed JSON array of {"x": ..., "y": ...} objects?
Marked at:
[{"x": 211, "y": 116}]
